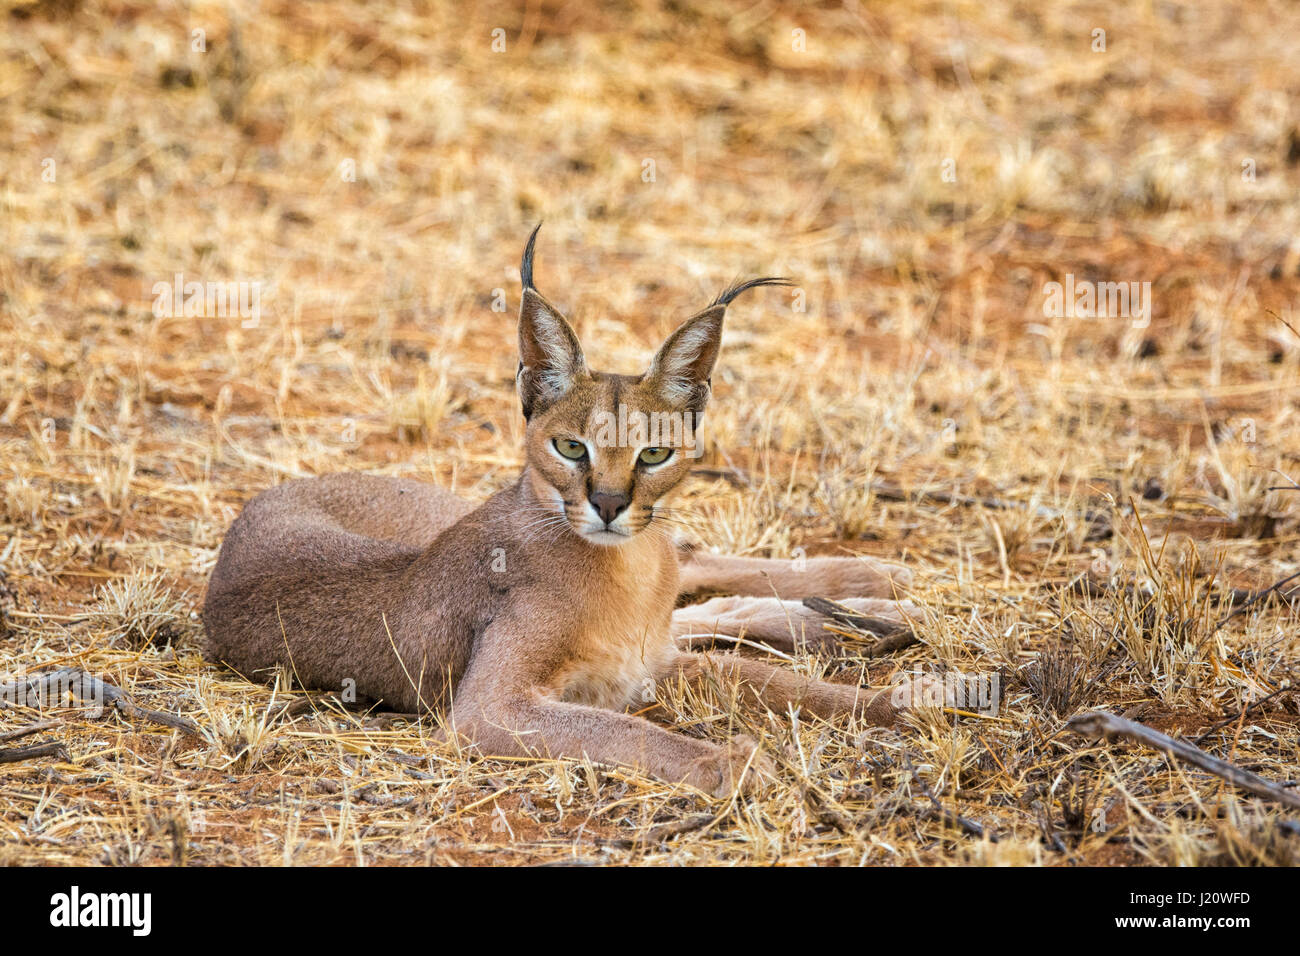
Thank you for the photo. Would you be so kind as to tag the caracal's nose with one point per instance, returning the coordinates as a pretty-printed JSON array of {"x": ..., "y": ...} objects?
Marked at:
[{"x": 608, "y": 506}]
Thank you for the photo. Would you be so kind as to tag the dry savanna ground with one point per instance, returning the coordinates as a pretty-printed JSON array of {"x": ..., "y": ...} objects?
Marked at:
[{"x": 1093, "y": 505}]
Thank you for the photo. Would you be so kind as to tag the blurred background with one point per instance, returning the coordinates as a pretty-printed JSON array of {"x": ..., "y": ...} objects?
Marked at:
[{"x": 368, "y": 173}]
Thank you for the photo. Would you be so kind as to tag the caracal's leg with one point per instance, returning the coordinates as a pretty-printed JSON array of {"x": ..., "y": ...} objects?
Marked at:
[
  {"x": 535, "y": 725},
  {"x": 509, "y": 711},
  {"x": 704, "y": 574},
  {"x": 777, "y": 688},
  {"x": 784, "y": 625}
]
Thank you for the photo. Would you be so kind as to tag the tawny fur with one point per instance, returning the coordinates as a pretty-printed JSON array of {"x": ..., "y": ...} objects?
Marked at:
[{"x": 531, "y": 621}]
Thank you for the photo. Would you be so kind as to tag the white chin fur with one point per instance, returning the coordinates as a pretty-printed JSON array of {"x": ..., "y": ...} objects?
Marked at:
[{"x": 606, "y": 539}]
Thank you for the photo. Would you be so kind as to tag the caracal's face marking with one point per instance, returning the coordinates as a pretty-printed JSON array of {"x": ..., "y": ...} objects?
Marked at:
[
  {"x": 608, "y": 453},
  {"x": 603, "y": 450}
]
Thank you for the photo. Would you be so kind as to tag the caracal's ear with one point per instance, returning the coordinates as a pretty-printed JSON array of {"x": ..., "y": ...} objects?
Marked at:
[
  {"x": 683, "y": 367},
  {"x": 550, "y": 358}
]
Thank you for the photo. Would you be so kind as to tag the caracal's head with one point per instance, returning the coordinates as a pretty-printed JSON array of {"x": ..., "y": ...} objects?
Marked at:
[{"x": 604, "y": 451}]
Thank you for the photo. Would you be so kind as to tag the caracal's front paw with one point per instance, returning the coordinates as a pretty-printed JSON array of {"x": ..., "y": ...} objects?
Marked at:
[
  {"x": 737, "y": 764},
  {"x": 891, "y": 622}
]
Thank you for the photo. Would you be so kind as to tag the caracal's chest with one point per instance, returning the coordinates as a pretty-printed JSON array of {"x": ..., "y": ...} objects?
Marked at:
[{"x": 623, "y": 642}]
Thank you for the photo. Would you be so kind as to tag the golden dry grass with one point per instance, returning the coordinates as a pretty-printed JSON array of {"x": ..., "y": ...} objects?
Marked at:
[{"x": 376, "y": 168}]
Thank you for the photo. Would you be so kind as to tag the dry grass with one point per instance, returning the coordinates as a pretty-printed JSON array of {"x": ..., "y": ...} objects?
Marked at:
[{"x": 376, "y": 167}]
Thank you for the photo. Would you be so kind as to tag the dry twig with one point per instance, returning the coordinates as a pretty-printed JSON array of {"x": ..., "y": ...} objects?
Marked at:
[
  {"x": 90, "y": 689},
  {"x": 1101, "y": 724}
]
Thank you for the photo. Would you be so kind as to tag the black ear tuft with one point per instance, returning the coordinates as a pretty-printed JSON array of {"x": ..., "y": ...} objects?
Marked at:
[
  {"x": 737, "y": 287},
  {"x": 526, "y": 267}
]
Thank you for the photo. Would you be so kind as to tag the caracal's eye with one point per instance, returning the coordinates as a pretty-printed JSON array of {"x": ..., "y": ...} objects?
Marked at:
[
  {"x": 570, "y": 449},
  {"x": 655, "y": 456}
]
